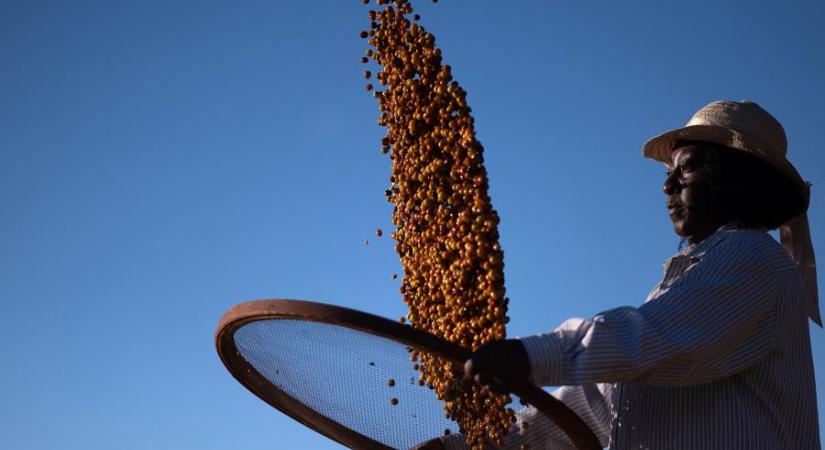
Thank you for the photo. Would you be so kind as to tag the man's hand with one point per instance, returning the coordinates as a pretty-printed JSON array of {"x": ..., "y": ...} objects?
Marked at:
[{"x": 499, "y": 365}]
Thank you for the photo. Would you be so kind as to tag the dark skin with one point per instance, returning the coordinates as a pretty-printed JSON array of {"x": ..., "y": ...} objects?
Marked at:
[
  {"x": 689, "y": 201},
  {"x": 501, "y": 365}
]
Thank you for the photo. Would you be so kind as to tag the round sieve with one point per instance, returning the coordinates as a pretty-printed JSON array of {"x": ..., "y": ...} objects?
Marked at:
[{"x": 347, "y": 374}]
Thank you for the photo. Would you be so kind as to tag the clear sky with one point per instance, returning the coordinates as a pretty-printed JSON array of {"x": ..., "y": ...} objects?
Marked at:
[{"x": 163, "y": 161}]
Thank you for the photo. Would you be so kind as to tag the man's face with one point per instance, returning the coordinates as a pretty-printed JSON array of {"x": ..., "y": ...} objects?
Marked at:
[{"x": 687, "y": 189}]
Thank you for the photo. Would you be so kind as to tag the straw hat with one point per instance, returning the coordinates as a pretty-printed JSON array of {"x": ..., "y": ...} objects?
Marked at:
[
  {"x": 747, "y": 127},
  {"x": 739, "y": 125}
]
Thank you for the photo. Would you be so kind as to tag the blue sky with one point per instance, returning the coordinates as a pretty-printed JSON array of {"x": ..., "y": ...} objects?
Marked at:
[{"x": 163, "y": 161}]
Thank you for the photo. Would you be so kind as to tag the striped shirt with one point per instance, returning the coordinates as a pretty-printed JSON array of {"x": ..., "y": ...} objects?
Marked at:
[{"x": 717, "y": 358}]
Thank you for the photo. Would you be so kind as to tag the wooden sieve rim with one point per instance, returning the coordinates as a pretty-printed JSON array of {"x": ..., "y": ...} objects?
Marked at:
[{"x": 257, "y": 310}]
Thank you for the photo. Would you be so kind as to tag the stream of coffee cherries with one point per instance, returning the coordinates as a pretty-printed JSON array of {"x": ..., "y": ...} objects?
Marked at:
[{"x": 446, "y": 228}]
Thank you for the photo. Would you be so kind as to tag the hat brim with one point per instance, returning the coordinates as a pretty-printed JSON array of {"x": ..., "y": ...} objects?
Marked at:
[{"x": 660, "y": 148}]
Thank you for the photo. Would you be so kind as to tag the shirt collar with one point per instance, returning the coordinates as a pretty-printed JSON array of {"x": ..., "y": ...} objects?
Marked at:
[{"x": 697, "y": 251}]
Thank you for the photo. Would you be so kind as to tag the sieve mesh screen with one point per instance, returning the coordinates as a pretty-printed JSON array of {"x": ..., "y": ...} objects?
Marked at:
[{"x": 344, "y": 374}]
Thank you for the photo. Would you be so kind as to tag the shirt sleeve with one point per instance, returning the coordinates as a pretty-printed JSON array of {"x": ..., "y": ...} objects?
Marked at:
[
  {"x": 536, "y": 431},
  {"x": 717, "y": 318}
]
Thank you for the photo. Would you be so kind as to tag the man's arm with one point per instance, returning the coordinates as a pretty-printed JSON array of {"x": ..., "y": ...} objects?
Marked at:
[{"x": 716, "y": 319}]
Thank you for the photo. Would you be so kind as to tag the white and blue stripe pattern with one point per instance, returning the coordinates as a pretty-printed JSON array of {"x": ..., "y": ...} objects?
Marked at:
[{"x": 717, "y": 358}]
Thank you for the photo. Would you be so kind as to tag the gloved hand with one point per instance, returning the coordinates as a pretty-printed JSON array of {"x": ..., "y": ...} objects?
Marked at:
[{"x": 499, "y": 365}]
